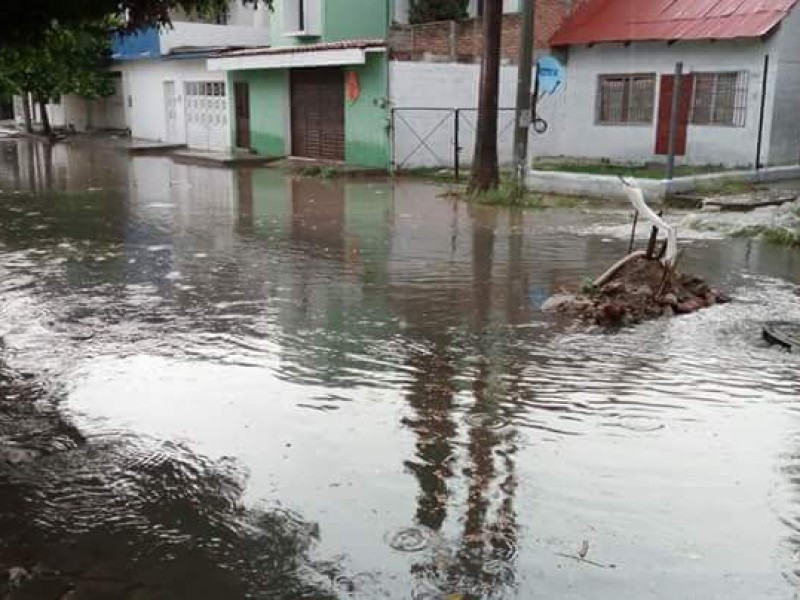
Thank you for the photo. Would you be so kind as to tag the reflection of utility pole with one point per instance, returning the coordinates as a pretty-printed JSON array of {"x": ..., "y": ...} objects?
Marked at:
[{"x": 523, "y": 114}]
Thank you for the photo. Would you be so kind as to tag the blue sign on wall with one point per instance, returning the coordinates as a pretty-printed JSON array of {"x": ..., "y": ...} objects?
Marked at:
[{"x": 552, "y": 75}]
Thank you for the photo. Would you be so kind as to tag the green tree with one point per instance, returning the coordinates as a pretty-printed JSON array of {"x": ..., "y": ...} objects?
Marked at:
[
  {"x": 23, "y": 22},
  {"x": 66, "y": 60},
  {"x": 425, "y": 11}
]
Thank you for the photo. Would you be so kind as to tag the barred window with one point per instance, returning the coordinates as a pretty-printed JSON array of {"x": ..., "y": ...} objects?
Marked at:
[
  {"x": 720, "y": 99},
  {"x": 626, "y": 99},
  {"x": 204, "y": 88}
]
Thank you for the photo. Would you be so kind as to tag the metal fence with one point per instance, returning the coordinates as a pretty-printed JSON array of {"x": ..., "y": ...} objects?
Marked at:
[{"x": 444, "y": 137}]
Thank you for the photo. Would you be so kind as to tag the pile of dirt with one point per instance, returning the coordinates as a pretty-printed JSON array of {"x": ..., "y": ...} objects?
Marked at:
[{"x": 640, "y": 290}]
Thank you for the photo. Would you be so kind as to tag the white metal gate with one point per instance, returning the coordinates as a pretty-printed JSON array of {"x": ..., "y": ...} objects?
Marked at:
[
  {"x": 206, "y": 107},
  {"x": 171, "y": 111}
]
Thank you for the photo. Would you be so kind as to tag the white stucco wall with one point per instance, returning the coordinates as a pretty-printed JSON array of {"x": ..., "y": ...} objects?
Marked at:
[
  {"x": 579, "y": 135},
  {"x": 201, "y": 35},
  {"x": 109, "y": 112},
  {"x": 245, "y": 15},
  {"x": 71, "y": 112},
  {"x": 452, "y": 85},
  {"x": 143, "y": 83},
  {"x": 784, "y": 130}
]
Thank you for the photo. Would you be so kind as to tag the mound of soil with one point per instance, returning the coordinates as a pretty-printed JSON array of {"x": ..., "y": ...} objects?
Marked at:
[{"x": 641, "y": 290}]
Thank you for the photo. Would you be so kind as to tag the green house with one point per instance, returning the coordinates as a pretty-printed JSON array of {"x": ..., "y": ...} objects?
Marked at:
[{"x": 320, "y": 90}]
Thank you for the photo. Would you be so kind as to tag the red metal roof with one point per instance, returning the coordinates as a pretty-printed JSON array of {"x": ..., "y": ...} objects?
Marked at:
[{"x": 642, "y": 20}]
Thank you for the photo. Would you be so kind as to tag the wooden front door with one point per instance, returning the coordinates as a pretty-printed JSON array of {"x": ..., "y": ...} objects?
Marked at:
[
  {"x": 241, "y": 95},
  {"x": 318, "y": 113},
  {"x": 665, "y": 113}
]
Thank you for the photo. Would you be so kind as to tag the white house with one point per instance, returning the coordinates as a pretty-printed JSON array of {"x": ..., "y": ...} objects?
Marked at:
[
  {"x": 621, "y": 56},
  {"x": 163, "y": 90},
  {"x": 169, "y": 94}
]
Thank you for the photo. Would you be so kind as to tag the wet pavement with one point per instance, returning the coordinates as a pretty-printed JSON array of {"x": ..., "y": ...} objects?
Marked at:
[{"x": 237, "y": 384}]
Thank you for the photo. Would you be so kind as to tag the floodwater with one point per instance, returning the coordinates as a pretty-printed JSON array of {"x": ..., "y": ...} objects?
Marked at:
[{"x": 235, "y": 384}]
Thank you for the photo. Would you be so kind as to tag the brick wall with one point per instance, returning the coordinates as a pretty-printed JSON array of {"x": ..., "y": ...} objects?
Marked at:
[{"x": 463, "y": 40}]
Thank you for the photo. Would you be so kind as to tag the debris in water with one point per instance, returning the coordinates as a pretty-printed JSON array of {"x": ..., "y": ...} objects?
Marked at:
[
  {"x": 642, "y": 286},
  {"x": 17, "y": 575},
  {"x": 641, "y": 289},
  {"x": 750, "y": 201},
  {"x": 581, "y": 557},
  {"x": 783, "y": 333}
]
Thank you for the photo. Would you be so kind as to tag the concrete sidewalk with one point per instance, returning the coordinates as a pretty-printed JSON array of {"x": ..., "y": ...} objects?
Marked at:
[
  {"x": 219, "y": 159},
  {"x": 608, "y": 187}
]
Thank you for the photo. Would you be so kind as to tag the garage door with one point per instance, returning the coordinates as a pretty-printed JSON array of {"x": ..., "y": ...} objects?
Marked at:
[
  {"x": 318, "y": 113},
  {"x": 206, "y": 107}
]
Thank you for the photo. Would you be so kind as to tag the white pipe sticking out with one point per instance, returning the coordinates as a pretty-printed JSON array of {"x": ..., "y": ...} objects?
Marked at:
[{"x": 635, "y": 195}]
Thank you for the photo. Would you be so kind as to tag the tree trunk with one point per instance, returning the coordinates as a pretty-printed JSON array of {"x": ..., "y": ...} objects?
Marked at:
[
  {"x": 484, "y": 164},
  {"x": 26, "y": 111},
  {"x": 46, "y": 129}
]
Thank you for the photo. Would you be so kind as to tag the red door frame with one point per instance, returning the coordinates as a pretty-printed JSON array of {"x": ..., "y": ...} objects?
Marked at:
[{"x": 665, "y": 112}]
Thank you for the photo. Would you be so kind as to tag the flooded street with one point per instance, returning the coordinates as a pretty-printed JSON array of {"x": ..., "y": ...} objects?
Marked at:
[{"x": 239, "y": 384}]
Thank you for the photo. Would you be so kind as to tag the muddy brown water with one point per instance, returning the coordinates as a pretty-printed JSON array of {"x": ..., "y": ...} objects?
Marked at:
[{"x": 235, "y": 384}]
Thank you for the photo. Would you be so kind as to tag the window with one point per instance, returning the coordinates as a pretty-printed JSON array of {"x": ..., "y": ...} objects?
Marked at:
[
  {"x": 204, "y": 88},
  {"x": 301, "y": 17},
  {"x": 720, "y": 99},
  {"x": 626, "y": 99}
]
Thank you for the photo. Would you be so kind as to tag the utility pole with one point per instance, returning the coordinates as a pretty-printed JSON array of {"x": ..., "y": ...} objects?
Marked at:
[{"x": 524, "y": 116}]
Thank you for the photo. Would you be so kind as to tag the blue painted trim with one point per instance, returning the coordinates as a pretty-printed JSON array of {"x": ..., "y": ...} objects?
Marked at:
[{"x": 136, "y": 46}]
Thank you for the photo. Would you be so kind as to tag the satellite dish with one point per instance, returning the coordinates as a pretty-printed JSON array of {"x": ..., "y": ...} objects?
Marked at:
[{"x": 552, "y": 75}]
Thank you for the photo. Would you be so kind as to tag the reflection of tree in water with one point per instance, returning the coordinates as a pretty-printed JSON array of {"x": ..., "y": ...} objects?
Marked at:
[
  {"x": 432, "y": 398},
  {"x": 481, "y": 563},
  {"x": 39, "y": 167},
  {"x": 121, "y": 518}
]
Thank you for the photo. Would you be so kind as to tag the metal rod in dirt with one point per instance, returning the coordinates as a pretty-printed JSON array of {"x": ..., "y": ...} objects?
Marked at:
[
  {"x": 673, "y": 119},
  {"x": 456, "y": 143},
  {"x": 633, "y": 231},
  {"x": 760, "y": 139},
  {"x": 651, "y": 243},
  {"x": 523, "y": 116}
]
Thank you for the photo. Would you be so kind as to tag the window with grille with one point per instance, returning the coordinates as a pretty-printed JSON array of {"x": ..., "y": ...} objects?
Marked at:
[
  {"x": 720, "y": 99},
  {"x": 204, "y": 88},
  {"x": 626, "y": 99}
]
